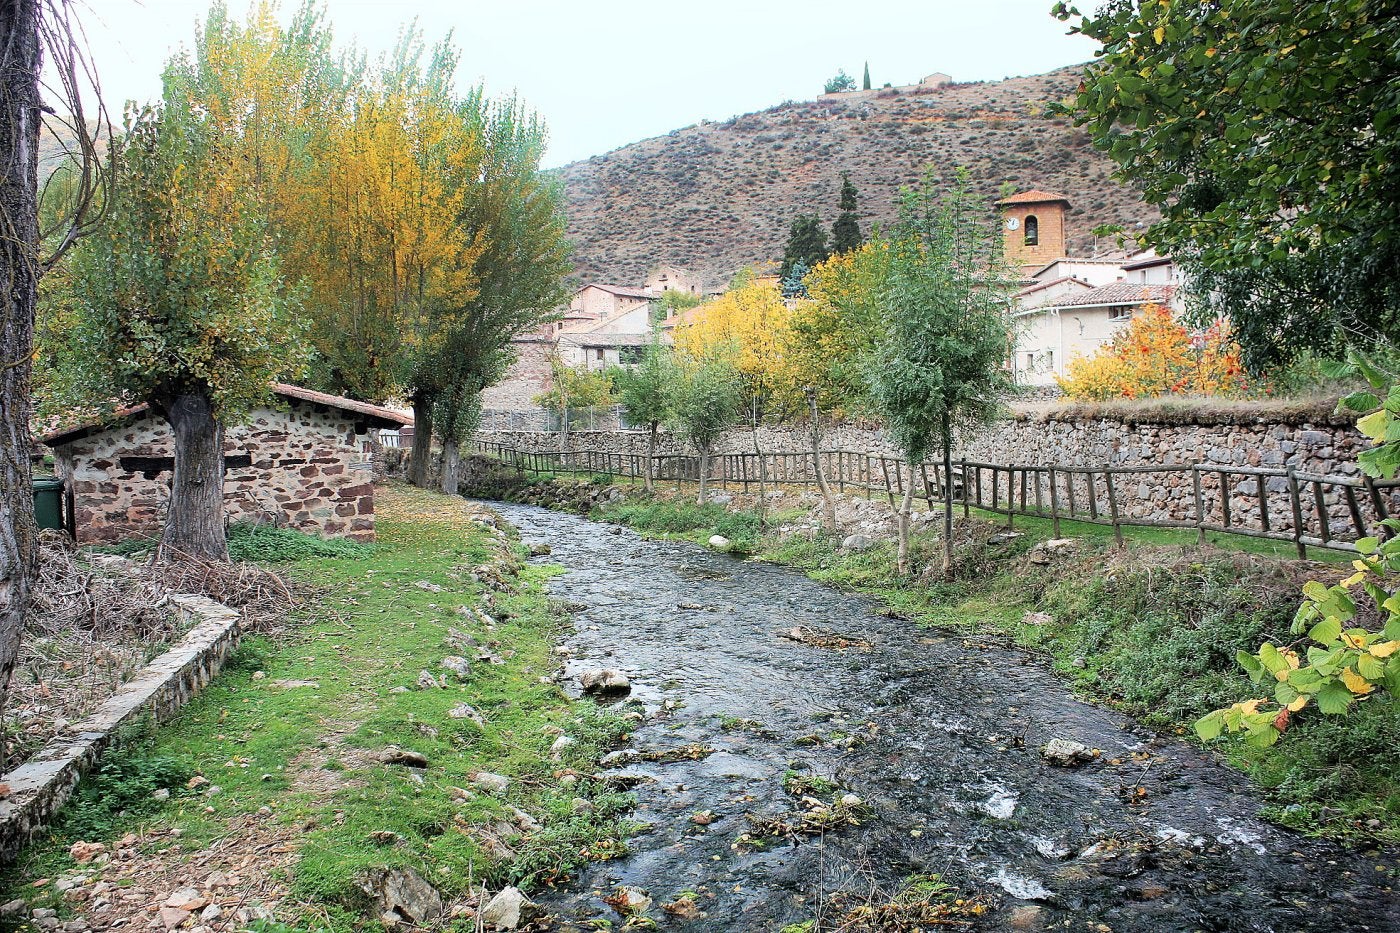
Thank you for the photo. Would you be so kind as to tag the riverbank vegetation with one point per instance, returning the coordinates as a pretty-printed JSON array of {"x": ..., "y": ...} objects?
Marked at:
[
  {"x": 404, "y": 722},
  {"x": 1153, "y": 631}
]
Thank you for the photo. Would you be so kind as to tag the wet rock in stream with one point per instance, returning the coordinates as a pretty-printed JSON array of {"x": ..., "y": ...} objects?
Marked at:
[{"x": 940, "y": 740}]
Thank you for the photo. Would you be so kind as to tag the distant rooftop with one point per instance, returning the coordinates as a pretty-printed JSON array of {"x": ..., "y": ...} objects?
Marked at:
[{"x": 1034, "y": 196}]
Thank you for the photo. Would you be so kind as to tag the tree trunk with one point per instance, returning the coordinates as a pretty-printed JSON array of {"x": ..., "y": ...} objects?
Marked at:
[
  {"x": 194, "y": 521},
  {"x": 828, "y": 500},
  {"x": 420, "y": 457},
  {"x": 449, "y": 468},
  {"x": 650, "y": 472},
  {"x": 948, "y": 500},
  {"x": 19, "y": 269},
  {"x": 704, "y": 473},
  {"x": 902, "y": 522}
]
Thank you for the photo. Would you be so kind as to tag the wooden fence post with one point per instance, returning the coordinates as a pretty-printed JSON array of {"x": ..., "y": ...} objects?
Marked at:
[
  {"x": 966, "y": 510},
  {"x": 1055, "y": 501},
  {"x": 1297, "y": 504},
  {"x": 1379, "y": 504},
  {"x": 1112, "y": 505},
  {"x": 1200, "y": 506}
]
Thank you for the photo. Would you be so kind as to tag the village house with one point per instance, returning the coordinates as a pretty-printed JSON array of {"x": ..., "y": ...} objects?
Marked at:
[
  {"x": 304, "y": 460},
  {"x": 1069, "y": 307}
]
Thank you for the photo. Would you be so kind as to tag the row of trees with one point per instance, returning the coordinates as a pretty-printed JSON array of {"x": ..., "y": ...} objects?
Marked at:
[
  {"x": 291, "y": 211},
  {"x": 911, "y": 327}
]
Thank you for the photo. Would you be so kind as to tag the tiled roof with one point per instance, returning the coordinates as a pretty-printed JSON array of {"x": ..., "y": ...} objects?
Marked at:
[
  {"x": 623, "y": 291},
  {"x": 1147, "y": 262},
  {"x": 1118, "y": 293},
  {"x": 1034, "y": 196},
  {"x": 386, "y": 417},
  {"x": 605, "y": 340},
  {"x": 1032, "y": 289}
]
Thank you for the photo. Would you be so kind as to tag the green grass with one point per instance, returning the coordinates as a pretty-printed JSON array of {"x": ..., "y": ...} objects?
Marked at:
[
  {"x": 265, "y": 743},
  {"x": 684, "y": 519},
  {"x": 252, "y": 542},
  {"x": 1152, "y": 631}
]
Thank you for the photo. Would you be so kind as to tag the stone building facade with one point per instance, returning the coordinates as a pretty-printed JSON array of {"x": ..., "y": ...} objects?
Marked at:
[{"x": 305, "y": 461}]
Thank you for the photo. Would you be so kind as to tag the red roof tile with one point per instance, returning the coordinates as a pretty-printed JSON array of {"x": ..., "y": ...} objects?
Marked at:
[{"x": 1034, "y": 196}]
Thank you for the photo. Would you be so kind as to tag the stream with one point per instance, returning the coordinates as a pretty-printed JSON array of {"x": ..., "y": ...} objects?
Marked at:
[{"x": 940, "y": 738}]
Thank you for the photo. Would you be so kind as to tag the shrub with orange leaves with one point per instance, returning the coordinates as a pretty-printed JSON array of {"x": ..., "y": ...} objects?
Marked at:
[{"x": 1157, "y": 356}]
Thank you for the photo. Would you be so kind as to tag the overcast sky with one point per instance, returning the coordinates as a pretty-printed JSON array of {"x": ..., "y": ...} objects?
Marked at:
[{"x": 609, "y": 72}]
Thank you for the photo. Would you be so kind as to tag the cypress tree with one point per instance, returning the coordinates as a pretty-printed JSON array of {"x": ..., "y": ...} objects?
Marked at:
[
  {"x": 845, "y": 233},
  {"x": 866, "y": 84},
  {"x": 806, "y": 244}
]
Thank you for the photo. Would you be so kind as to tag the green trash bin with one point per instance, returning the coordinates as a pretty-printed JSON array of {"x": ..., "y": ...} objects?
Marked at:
[{"x": 48, "y": 502}]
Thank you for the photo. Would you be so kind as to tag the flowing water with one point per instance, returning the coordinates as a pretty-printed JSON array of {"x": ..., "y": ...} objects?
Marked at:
[{"x": 938, "y": 735}]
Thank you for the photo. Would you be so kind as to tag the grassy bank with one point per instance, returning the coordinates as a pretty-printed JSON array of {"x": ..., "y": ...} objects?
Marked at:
[
  {"x": 285, "y": 768},
  {"x": 1152, "y": 631}
]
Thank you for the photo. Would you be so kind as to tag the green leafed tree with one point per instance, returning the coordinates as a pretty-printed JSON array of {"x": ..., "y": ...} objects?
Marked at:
[
  {"x": 178, "y": 302},
  {"x": 642, "y": 390},
  {"x": 806, "y": 243},
  {"x": 1268, "y": 134},
  {"x": 841, "y": 82},
  {"x": 938, "y": 363},
  {"x": 865, "y": 83},
  {"x": 704, "y": 399},
  {"x": 575, "y": 389},
  {"x": 845, "y": 233}
]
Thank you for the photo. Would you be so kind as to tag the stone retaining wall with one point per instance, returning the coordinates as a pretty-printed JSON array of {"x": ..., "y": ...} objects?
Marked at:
[
  {"x": 40, "y": 786},
  {"x": 1309, "y": 441}
]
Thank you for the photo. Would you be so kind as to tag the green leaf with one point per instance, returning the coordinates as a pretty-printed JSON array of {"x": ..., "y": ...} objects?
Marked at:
[
  {"x": 1334, "y": 699},
  {"x": 1251, "y": 665},
  {"x": 1372, "y": 668},
  {"x": 1374, "y": 425},
  {"x": 1361, "y": 401},
  {"x": 1209, "y": 726},
  {"x": 1327, "y": 631}
]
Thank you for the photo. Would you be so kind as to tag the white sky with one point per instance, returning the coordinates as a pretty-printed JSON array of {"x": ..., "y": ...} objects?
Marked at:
[{"x": 604, "y": 73}]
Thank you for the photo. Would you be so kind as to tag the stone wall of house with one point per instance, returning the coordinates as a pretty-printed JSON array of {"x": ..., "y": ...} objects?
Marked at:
[
  {"x": 308, "y": 469},
  {"x": 528, "y": 377}
]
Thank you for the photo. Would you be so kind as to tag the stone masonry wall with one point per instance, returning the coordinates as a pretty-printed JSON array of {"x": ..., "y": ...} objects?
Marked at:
[
  {"x": 1307, "y": 446},
  {"x": 307, "y": 470}
]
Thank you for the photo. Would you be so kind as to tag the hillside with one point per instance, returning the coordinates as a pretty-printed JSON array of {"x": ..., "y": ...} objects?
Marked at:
[{"x": 718, "y": 196}]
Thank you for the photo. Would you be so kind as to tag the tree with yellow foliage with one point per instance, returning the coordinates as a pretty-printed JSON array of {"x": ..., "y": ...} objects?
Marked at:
[{"x": 1154, "y": 356}]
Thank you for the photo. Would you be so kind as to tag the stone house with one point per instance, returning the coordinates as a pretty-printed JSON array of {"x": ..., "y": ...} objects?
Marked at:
[{"x": 304, "y": 461}]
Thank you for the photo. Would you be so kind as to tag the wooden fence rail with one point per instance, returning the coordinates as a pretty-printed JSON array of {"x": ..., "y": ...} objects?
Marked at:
[{"x": 1280, "y": 504}]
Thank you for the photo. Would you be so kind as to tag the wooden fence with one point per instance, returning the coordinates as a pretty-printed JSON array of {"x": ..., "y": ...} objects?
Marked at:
[{"x": 1281, "y": 504}]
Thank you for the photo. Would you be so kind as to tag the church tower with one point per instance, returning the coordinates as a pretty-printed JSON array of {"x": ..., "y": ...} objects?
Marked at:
[{"x": 1034, "y": 225}]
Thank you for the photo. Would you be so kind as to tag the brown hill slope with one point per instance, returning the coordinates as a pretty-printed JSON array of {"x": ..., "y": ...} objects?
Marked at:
[{"x": 715, "y": 197}]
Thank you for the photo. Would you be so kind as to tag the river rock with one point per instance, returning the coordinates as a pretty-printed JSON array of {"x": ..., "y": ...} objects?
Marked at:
[
  {"x": 857, "y": 543},
  {"x": 403, "y": 897},
  {"x": 719, "y": 541},
  {"x": 1046, "y": 551},
  {"x": 504, "y": 911},
  {"x": 540, "y": 550},
  {"x": 629, "y": 900},
  {"x": 604, "y": 680},
  {"x": 1064, "y": 753},
  {"x": 556, "y": 750}
]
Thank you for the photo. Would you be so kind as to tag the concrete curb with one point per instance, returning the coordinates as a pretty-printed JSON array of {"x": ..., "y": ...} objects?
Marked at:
[{"x": 40, "y": 786}]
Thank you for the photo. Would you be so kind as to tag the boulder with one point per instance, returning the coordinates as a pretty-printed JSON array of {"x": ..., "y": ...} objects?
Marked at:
[
  {"x": 457, "y": 665},
  {"x": 719, "y": 541},
  {"x": 857, "y": 543},
  {"x": 505, "y": 910},
  {"x": 463, "y": 711},
  {"x": 491, "y": 783},
  {"x": 540, "y": 550},
  {"x": 1066, "y": 753},
  {"x": 403, "y": 897},
  {"x": 393, "y": 755},
  {"x": 604, "y": 681}
]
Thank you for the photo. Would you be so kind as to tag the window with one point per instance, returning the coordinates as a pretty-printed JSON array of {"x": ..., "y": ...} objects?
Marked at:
[
  {"x": 598, "y": 353},
  {"x": 1032, "y": 231},
  {"x": 1030, "y": 362},
  {"x": 1120, "y": 313},
  {"x": 1049, "y": 361}
]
